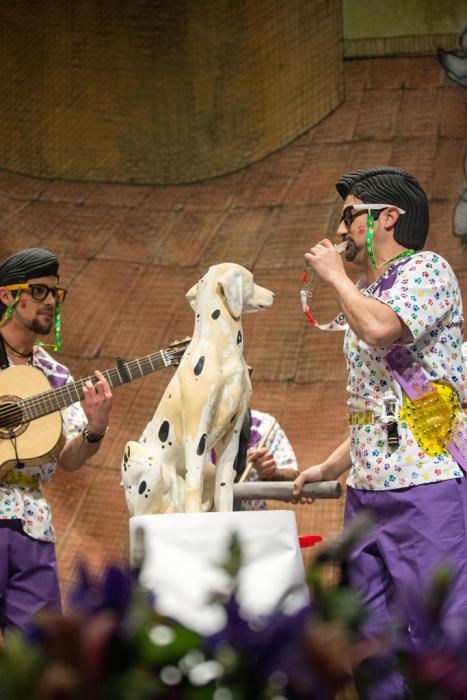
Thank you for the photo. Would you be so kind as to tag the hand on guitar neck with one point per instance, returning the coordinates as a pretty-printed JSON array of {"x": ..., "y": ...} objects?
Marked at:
[{"x": 96, "y": 405}]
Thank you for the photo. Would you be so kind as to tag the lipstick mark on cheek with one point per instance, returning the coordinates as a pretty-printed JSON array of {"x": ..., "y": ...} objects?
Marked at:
[
  {"x": 361, "y": 229},
  {"x": 23, "y": 304}
]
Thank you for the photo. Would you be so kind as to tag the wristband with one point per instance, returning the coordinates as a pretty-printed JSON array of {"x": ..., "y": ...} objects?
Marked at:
[{"x": 92, "y": 437}]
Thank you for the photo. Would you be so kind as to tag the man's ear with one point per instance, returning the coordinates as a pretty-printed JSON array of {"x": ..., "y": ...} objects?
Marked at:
[
  {"x": 231, "y": 284},
  {"x": 6, "y": 297},
  {"x": 190, "y": 296},
  {"x": 391, "y": 216}
]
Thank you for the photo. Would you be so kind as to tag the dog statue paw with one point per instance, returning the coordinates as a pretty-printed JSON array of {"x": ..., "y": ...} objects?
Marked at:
[{"x": 149, "y": 487}]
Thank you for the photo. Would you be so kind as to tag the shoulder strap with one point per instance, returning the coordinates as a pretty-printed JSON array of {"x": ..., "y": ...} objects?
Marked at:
[{"x": 4, "y": 364}]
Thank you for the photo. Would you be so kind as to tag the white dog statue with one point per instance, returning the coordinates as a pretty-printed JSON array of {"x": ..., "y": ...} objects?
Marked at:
[{"x": 170, "y": 469}]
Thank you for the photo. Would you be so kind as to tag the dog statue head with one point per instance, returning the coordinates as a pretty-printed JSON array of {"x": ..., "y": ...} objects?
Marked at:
[{"x": 236, "y": 285}]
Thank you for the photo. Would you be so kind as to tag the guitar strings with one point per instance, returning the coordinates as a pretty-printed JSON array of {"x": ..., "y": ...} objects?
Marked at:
[
  {"x": 30, "y": 403},
  {"x": 64, "y": 392}
]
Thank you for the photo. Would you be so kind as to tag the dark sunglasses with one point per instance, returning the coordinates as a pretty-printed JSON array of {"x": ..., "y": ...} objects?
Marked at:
[
  {"x": 348, "y": 215},
  {"x": 40, "y": 292}
]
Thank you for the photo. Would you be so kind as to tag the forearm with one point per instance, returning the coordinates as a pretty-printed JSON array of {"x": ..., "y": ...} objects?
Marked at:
[
  {"x": 370, "y": 319},
  {"x": 338, "y": 462},
  {"x": 76, "y": 452}
]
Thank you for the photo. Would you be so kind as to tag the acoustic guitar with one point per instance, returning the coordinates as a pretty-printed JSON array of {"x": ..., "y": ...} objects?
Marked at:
[{"x": 30, "y": 419}]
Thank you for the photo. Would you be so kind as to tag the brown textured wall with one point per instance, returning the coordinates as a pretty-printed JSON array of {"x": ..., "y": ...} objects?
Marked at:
[{"x": 161, "y": 91}]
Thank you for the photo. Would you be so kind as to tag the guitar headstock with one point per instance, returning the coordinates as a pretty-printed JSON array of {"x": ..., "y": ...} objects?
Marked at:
[{"x": 175, "y": 351}]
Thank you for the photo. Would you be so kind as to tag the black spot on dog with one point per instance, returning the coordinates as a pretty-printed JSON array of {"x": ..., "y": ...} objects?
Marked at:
[
  {"x": 215, "y": 314},
  {"x": 142, "y": 487},
  {"x": 170, "y": 443},
  {"x": 197, "y": 316},
  {"x": 233, "y": 417},
  {"x": 222, "y": 483},
  {"x": 201, "y": 445},
  {"x": 164, "y": 431},
  {"x": 128, "y": 451},
  {"x": 199, "y": 366},
  {"x": 239, "y": 337}
]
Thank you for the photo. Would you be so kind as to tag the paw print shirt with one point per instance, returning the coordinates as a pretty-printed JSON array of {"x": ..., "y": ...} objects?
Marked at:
[
  {"x": 424, "y": 292},
  {"x": 276, "y": 442},
  {"x": 23, "y": 502}
]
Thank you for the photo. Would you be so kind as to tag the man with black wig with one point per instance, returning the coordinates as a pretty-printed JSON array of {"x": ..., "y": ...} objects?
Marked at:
[
  {"x": 407, "y": 449},
  {"x": 30, "y": 307}
]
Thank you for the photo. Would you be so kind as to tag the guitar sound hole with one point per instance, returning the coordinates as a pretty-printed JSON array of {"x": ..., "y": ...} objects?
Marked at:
[{"x": 11, "y": 418}]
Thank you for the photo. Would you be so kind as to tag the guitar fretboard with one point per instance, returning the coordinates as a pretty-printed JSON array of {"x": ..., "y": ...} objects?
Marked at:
[{"x": 55, "y": 399}]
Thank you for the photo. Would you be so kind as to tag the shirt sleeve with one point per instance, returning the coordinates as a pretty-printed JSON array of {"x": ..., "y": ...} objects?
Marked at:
[{"x": 423, "y": 293}]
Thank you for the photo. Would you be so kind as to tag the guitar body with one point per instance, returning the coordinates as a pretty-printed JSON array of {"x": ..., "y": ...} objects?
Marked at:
[{"x": 36, "y": 440}]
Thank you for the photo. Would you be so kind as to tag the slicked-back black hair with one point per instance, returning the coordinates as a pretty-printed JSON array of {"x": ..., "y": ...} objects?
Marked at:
[{"x": 386, "y": 185}]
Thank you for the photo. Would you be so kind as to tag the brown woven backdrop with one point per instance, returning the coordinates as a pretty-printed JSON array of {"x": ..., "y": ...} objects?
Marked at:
[{"x": 160, "y": 92}]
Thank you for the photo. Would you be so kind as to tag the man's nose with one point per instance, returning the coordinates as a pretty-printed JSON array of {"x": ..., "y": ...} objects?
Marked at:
[
  {"x": 51, "y": 296},
  {"x": 342, "y": 229}
]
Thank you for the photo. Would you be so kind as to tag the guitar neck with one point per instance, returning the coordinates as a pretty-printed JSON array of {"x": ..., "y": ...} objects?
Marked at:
[{"x": 55, "y": 399}]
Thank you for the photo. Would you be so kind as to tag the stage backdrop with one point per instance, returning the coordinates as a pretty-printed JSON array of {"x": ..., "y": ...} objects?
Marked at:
[
  {"x": 401, "y": 27},
  {"x": 161, "y": 92}
]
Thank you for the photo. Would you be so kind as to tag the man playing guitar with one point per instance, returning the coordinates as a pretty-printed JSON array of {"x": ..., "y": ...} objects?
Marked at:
[{"x": 30, "y": 303}]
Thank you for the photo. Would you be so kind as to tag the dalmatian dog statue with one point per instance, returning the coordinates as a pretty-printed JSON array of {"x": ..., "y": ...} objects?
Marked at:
[{"x": 202, "y": 409}]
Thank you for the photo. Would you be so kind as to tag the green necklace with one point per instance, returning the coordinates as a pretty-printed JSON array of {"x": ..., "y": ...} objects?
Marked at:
[{"x": 369, "y": 246}]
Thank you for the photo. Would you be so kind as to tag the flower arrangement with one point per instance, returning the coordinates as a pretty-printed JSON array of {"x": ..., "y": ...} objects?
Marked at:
[{"x": 114, "y": 645}]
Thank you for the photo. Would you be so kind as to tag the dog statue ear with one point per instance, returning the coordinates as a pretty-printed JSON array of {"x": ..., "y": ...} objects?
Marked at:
[
  {"x": 231, "y": 284},
  {"x": 190, "y": 296}
]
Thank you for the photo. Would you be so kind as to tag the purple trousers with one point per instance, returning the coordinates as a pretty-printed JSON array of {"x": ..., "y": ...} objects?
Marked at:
[
  {"x": 28, "y": 576},
  {"x": 415, "y": 529}
]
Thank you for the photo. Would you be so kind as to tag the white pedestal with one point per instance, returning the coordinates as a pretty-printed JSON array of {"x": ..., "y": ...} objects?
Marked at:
[{"x": 183, "y": 552}]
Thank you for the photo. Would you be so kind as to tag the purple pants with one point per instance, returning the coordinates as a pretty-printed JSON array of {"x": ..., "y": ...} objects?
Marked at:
[
  {"x": 28, "y": 576},
  {"x": 415, "y": 529}
]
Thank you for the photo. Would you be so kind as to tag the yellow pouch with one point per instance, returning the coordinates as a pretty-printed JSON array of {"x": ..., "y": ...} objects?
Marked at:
[
  {"x": 14, "y": 477},
  {"x": 432, "y": 417}
]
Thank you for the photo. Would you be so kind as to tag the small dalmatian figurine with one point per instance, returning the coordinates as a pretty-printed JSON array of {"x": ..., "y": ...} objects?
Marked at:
[{"x": 202, "y": 409}]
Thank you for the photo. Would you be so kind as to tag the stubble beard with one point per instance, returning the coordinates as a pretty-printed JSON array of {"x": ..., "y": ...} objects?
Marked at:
[
  {"x": 352, "y": 249},
  {"x": 38, "y": 325}
]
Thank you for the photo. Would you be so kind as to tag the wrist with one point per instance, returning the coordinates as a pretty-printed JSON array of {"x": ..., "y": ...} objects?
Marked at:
[
  {"x": 92, "y": 435},
  {"x": 325, "y": 471}
]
